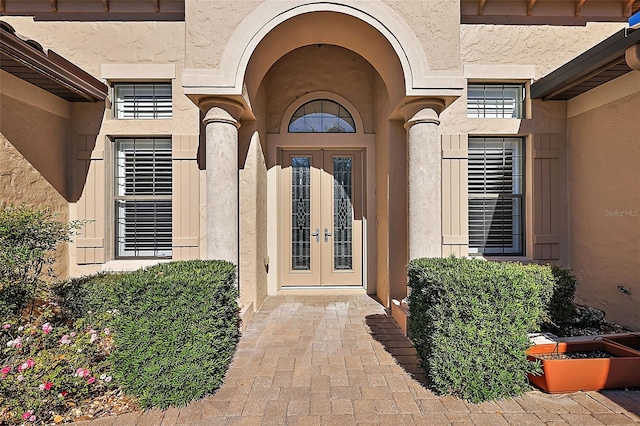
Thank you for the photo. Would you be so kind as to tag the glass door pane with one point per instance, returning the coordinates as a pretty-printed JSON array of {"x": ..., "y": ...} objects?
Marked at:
[
  {"x": 300, "y": 213},
  {"x": 342, "y": 213}
]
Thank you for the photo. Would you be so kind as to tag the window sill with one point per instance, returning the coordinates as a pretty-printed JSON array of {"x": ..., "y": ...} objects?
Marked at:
[
  {"x": 521, "y": 259},
  {"x": 122, "y": 265}
]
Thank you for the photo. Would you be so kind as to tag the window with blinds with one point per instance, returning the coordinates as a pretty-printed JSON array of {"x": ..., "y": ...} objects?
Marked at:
[
  {"x": 495, "y": 101},
  {"x": 496, "y": 182},
  {"x": 143, "y": 188},
  {"x": 142, "y": 100}
]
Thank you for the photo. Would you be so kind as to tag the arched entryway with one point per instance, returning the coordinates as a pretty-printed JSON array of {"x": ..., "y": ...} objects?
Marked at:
[{"x": 280, "y": 59}]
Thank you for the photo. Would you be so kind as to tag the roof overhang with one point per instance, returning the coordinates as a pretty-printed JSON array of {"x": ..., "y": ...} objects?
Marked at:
[
  {"x": 28, "y": 61},
  {"x": 598, "y": 65},
  {"x": 545, "y": 12},
  {"x": 95, "y": 10}
]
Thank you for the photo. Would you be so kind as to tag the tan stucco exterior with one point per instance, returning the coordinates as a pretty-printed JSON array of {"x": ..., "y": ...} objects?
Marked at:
[
  {"x": 239, "y": 70},
  {"x": 604, "y": 197}
]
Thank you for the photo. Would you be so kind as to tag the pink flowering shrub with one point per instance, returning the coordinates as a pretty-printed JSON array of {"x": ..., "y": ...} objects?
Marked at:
[{"x": 48, "y": 367}]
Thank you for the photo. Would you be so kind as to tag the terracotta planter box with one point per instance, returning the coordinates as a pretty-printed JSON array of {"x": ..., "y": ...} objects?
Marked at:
[
  {"x": 630, "y": 340},
  {"x": 586, "y": 374}
]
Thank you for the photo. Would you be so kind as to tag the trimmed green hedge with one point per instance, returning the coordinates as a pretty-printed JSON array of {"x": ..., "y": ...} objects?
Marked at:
[
  {"x": 469, "y": 321},
  {"x": 562, "y": 309},
  {"x": 90, "y": 294},
  {"x": 176, "y": 332}
]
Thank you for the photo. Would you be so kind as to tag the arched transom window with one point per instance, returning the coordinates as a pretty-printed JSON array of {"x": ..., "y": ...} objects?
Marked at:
[{"x": 322, "y": 116}]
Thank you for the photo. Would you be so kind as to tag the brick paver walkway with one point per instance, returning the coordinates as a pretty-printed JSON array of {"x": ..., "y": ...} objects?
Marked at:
[{"x": 316, "y": 360}]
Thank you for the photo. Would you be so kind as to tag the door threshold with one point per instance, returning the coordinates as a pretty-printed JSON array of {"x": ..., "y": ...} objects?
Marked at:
[{"x": 321, "y": 290}]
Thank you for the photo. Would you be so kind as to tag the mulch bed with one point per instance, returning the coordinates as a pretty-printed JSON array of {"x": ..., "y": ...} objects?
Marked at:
[{"x": 576, "y": 355}]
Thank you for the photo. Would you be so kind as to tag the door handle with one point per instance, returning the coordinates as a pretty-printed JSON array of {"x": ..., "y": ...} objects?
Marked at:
[
  {"x": 317, "y": 235},
  {"x": 326, "y": 235}
]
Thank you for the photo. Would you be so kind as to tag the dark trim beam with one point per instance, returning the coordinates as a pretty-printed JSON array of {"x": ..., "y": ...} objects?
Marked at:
[
  {"x": 596, "y": 66},
  {"x": 49, "y": 71}
]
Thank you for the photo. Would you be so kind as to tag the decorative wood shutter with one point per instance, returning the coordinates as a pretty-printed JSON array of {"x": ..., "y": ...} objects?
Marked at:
[
  {"x": 186, "y": 197},
  {"x": 455, "y": 237},
  {"x": 549, "y": 193},
  {"x": 89, "y": 175}
]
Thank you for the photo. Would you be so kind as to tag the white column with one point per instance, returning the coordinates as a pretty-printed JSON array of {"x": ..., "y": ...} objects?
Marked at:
[
  {"x": 222, "y": 237},
  {"x": 424, "y": 174}
]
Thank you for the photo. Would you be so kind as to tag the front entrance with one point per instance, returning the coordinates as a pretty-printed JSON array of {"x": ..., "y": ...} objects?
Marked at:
[{"x": 321, "y": 211}]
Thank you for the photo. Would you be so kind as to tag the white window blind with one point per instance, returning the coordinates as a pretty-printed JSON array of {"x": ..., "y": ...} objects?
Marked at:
[
  {"x": 143, "y": 189},
  {"x": 142, "y": 100},
  {"x": 495, "y": 101},
  {"x": 496, "y": 196}
]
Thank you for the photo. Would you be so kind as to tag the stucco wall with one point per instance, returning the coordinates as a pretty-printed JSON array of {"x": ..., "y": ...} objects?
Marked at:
[
  {"x": 545, "y": 46},
  {"x": 440, "y": 38},
  {"x": 604, "y": 193},
  {"x": 34, "y": 161},
  {"x": 320, "y": 68},
  {"x": 211, "y": 23},
  {"x": 253, "y": 205}
]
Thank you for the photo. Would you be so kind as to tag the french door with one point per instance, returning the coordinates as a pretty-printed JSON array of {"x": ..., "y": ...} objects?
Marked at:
[{"x": 321, "y": 207}]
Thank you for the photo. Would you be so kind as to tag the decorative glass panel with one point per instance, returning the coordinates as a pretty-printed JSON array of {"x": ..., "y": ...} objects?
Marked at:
[
  {"x": 342, "y": 213},
  {"x": 300, "y": 213},
  {"x": 321, "y": 116}
]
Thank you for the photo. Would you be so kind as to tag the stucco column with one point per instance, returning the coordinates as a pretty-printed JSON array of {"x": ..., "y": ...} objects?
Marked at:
[
  {"x": 222, "y": 233},
  {"x": 424, "y": 177}
]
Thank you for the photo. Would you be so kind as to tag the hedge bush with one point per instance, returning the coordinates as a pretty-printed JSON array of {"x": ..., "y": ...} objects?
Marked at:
[
  {"x": 562, "y": 309},
  {"x": 469, "y": 323},
  {"x": 83, "y": 296},
  {"x": 176, "y": 332},
  {"x": 28, "y": 239}
]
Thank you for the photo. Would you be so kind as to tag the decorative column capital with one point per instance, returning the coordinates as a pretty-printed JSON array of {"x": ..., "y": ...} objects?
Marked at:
[
  {"x": 221, "y": 110},
  {"x": 422, "y": 111}
]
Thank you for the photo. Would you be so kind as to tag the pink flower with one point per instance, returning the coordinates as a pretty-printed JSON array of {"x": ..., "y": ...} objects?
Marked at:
[
  {"x": 107, "y": 379},
  {"x": 30, "y": 363},
  {"x": 82, "y": 372},
  {"x": 73, "y": 334},
  {"x": 5, "y": 370},
  {"x": 65, "y": 340},
  {"x": 6, "y": 326},
  {"x": 32, "y": 418},
  {"x": 16, "y": 343},
  {"x": 46, "y": 386},
  {"x": 64, "y": 394},
  {"x": 22, "y": 367},
  {"x": 91, "y": 380},
  {"x": 41, "y": 387},
  {"x": 107, "y": 331},
  {"x": 20, "y": 377},
  {"x": 47, "y": 328},
  {"x": 26, "y": 415}
]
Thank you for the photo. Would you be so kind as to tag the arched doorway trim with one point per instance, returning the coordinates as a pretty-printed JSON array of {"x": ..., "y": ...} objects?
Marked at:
[
  {"x": 272, "y": 13},
  {"x": 286, "y": 117}
]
